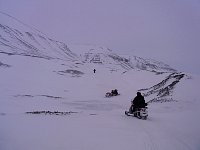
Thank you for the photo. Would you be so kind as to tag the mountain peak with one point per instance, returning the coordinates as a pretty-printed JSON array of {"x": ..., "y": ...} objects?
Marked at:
[{"x": 17, "y": 38}]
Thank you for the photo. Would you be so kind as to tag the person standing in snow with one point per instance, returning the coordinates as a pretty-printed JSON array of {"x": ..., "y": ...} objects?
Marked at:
[{"x": 94, "y": 70}]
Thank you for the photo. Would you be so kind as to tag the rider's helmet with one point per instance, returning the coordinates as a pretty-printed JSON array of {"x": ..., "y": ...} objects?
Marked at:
[{"x": 139, "y": 94}]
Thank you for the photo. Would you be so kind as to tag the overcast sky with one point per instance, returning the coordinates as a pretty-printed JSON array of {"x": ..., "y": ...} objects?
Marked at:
[{"x": 165, "y": 30}]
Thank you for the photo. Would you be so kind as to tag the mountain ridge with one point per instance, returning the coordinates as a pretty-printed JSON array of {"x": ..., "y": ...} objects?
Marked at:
[
  {"x": 31, "y": 42},
  {"x": 15, "y": 40}
]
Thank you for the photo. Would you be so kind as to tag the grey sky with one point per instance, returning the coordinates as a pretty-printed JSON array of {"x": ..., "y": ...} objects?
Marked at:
[{"x": 166, "y": 30}]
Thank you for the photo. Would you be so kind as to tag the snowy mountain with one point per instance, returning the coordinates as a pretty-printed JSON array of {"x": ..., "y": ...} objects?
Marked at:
[
  {"x": 105, "y": 56},
  {"x": 17, "y": 38},
  {"x": 50, "y": 98}
]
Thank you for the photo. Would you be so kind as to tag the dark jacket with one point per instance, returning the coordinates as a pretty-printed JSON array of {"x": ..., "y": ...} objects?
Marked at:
[{"x": 139, "y": 101}]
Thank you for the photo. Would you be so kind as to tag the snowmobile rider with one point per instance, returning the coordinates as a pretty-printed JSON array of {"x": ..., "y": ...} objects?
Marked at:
[
  {"x": 114, "y": 92},
  {"x": 138, "y": 102}
]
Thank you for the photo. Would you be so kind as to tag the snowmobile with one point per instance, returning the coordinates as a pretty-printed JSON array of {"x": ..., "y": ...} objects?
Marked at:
[
  {"x": 109, "y": 94},
  {"x": 140, "y": 113},
  {"x": 112, "y": 93}
]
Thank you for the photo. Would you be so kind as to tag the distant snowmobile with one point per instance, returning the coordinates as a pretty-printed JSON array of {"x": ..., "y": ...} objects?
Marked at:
[
  {"x": 112, "y": 93},
  {"x": 140, "y": 113}
]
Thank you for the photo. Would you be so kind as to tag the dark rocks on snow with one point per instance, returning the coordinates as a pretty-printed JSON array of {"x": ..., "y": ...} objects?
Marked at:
[{"x": 51, "y": 112}]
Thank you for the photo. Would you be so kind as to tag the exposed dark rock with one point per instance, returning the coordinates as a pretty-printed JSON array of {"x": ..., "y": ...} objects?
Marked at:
[
  {"x": 31, "y": 96},
  {"x": 49, "y": 96},
  {"x": 51, "y": 112},
  {"x": 162, "y": 91},
  {"x": 26, "y": 95},
  {"x": 4, "y": 65},
  {"x": 74, "y": 73}
]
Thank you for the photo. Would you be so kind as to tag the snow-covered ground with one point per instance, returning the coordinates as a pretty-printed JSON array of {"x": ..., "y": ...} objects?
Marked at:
[
  {"x": 94, "y": 122},
  {"x": 50, "y": 98}
]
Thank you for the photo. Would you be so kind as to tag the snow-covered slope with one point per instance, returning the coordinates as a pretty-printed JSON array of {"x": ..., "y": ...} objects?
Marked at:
[
  {"x": 43, "y": 109},
  {"x": 50, "y": 98},
  {"x": 17, "y": 38},
  {"x": 105, "y": 56}
]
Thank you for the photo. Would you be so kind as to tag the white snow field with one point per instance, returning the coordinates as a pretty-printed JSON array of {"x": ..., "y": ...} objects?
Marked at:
[
  {"x": 93, "y": 122},
  {"x": 50, "y": 98}
]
